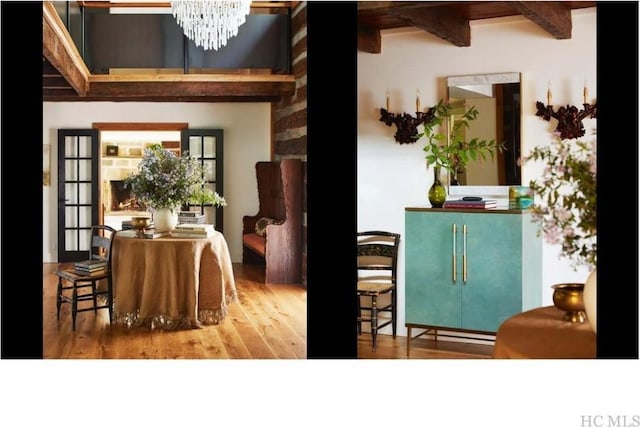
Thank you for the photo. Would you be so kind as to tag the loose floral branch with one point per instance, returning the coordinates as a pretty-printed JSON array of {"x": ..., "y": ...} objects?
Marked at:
[
  {"x": 165, "y": 180},
  {"x": 565, "y": 197}
]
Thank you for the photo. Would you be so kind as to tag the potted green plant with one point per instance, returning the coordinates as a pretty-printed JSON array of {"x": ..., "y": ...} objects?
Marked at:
[{"x": 455, "y": 152}]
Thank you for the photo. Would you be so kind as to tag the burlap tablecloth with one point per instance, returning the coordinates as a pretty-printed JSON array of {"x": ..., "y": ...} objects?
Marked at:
[{"x": 172, "y": 283}]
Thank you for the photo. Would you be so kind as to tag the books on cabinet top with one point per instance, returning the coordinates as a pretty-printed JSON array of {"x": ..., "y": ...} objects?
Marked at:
[{"x": 471, "y": 204}]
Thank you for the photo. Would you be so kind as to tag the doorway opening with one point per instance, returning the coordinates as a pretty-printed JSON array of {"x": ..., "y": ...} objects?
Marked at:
[{"x": 122, "y": 146}]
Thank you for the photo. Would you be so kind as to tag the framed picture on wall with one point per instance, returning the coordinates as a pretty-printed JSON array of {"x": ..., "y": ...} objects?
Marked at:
[
  {"x": 46, "y": 164},
  {"x": 112, "y": 150}
]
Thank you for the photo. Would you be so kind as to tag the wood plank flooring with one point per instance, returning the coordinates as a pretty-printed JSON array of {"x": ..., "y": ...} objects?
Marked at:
[
  {"x": 267, "y": 322},
  {"x": 389, "y": 348}
]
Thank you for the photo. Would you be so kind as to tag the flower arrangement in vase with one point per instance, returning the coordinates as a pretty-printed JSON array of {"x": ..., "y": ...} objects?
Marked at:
[
  {"x": 455, "y": 152},
  {"x": 165, "y": 181}
]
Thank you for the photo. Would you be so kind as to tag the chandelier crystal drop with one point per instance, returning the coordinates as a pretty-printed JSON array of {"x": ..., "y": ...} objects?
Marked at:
[{"x": 210, "y": 23}]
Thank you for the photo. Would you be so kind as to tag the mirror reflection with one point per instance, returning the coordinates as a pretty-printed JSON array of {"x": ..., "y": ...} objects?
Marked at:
[{"x": 497, "y": 99}]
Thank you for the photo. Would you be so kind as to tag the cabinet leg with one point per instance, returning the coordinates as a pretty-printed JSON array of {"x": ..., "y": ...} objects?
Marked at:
[
  {"x": 374, "y": 320},
  {"x": 408, "y": 340}
]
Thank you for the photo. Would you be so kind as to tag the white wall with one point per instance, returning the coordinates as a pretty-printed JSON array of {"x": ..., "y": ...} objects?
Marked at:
[
  {"x": 393, "y": 176},
  {"x": 247, "y": 133}
]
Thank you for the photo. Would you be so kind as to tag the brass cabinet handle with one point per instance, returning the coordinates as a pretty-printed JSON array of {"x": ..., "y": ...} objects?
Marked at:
[
  {"x": 453, "y": 260},
  {"x": 464, "y": 253}
]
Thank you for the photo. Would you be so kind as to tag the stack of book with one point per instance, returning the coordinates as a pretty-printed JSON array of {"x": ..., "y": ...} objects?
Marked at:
[
  {"x": 92, "y": 266},
  {"x": 151, "y": 233},
  {"x": 193, "y": 230},
  {"x": 190, "y": 218},
  {"x": 471, "y": 204}
]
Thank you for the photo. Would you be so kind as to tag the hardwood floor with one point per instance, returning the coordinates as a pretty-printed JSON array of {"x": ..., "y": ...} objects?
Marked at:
[
  {"x": 389, "y": 348},
  {"x": 267, "y": 322}
]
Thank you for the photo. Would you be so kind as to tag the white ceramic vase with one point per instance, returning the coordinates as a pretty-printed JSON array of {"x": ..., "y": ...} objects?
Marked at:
[
  {"x": 165, "y": 219},
  {"x": 590, "y": 297}
]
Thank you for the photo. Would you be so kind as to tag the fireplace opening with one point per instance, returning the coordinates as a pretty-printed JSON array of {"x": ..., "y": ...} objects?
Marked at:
[{"x": 121, "y": 199}]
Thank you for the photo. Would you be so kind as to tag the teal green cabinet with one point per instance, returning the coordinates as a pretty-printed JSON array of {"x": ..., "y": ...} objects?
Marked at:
[{"x": 470, "y": 270}]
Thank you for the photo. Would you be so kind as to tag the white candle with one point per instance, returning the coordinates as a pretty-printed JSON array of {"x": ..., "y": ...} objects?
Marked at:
[
  {"x": 387, "y": 100},
  {"x": 417, "y": 100},
  {"x": 549, "y": 94},
  {"x": 585, "y": 93}
]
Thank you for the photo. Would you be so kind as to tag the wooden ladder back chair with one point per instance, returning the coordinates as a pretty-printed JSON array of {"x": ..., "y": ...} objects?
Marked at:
[
  {"x": 377, "y": 275},
  {"x": 77, "y": 284}
]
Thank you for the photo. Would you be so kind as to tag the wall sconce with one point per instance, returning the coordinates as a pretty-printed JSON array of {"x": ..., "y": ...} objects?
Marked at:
[
  {"x": 407, "y": 125},
  {"x": 569, "y": 118}
]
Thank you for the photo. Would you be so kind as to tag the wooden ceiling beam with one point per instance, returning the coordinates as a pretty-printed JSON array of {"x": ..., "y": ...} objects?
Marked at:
[
  {"x": 439, "y": 21},
  {"x": 55, "y": 82},
  {"x": 186, "y": 87},
  {"x": 369, "y": 40},
  {"x": 190, "y": 89},
  {"x": 62, "y": 63},
  {"x": 63, "y": 96},
  {"x": 553, "y": 17},
  {"x": 58, "y": 48}
]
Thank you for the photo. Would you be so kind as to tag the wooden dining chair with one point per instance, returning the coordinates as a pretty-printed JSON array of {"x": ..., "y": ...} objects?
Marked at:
[
  {"x": 377, "y": 274},
  {"x": 80, "y": 282}
]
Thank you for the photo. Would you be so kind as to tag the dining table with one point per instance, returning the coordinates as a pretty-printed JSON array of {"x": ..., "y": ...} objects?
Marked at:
[{"x": 171, "y": 282}]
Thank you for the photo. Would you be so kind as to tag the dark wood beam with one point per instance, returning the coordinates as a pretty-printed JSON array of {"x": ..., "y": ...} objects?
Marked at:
[
  {"x": 191, "y": 85},
  {"x": 369, "y": 40},
  {"x": 55, "y": 82},
  {"x": 58, "y": 96},
  {"x": 438, "y": 21},
  {"x": 553, "y": 17},
  {"x": 181, "y": 88},
  {"x": 58, "y": 48}
]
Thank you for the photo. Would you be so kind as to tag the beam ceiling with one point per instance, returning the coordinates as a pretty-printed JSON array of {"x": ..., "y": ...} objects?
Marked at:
[
  {"x": 450, "y": 20},
  {"x": 65, "y": 76}
]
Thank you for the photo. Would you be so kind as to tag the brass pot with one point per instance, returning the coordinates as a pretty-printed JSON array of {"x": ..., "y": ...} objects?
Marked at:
[
  {"x": 139, "y": 223},
  {"x": 568, "y": 297}
]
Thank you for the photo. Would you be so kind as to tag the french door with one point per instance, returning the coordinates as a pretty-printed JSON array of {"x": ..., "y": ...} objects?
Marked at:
[
  {"x": 206, "y": 145},
  {"x": 78, "y": 191},
  {"x": 79, "y": 183}
]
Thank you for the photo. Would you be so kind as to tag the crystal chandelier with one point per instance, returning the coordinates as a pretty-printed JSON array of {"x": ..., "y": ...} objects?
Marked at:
[{"x": 210, "y": 23}]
